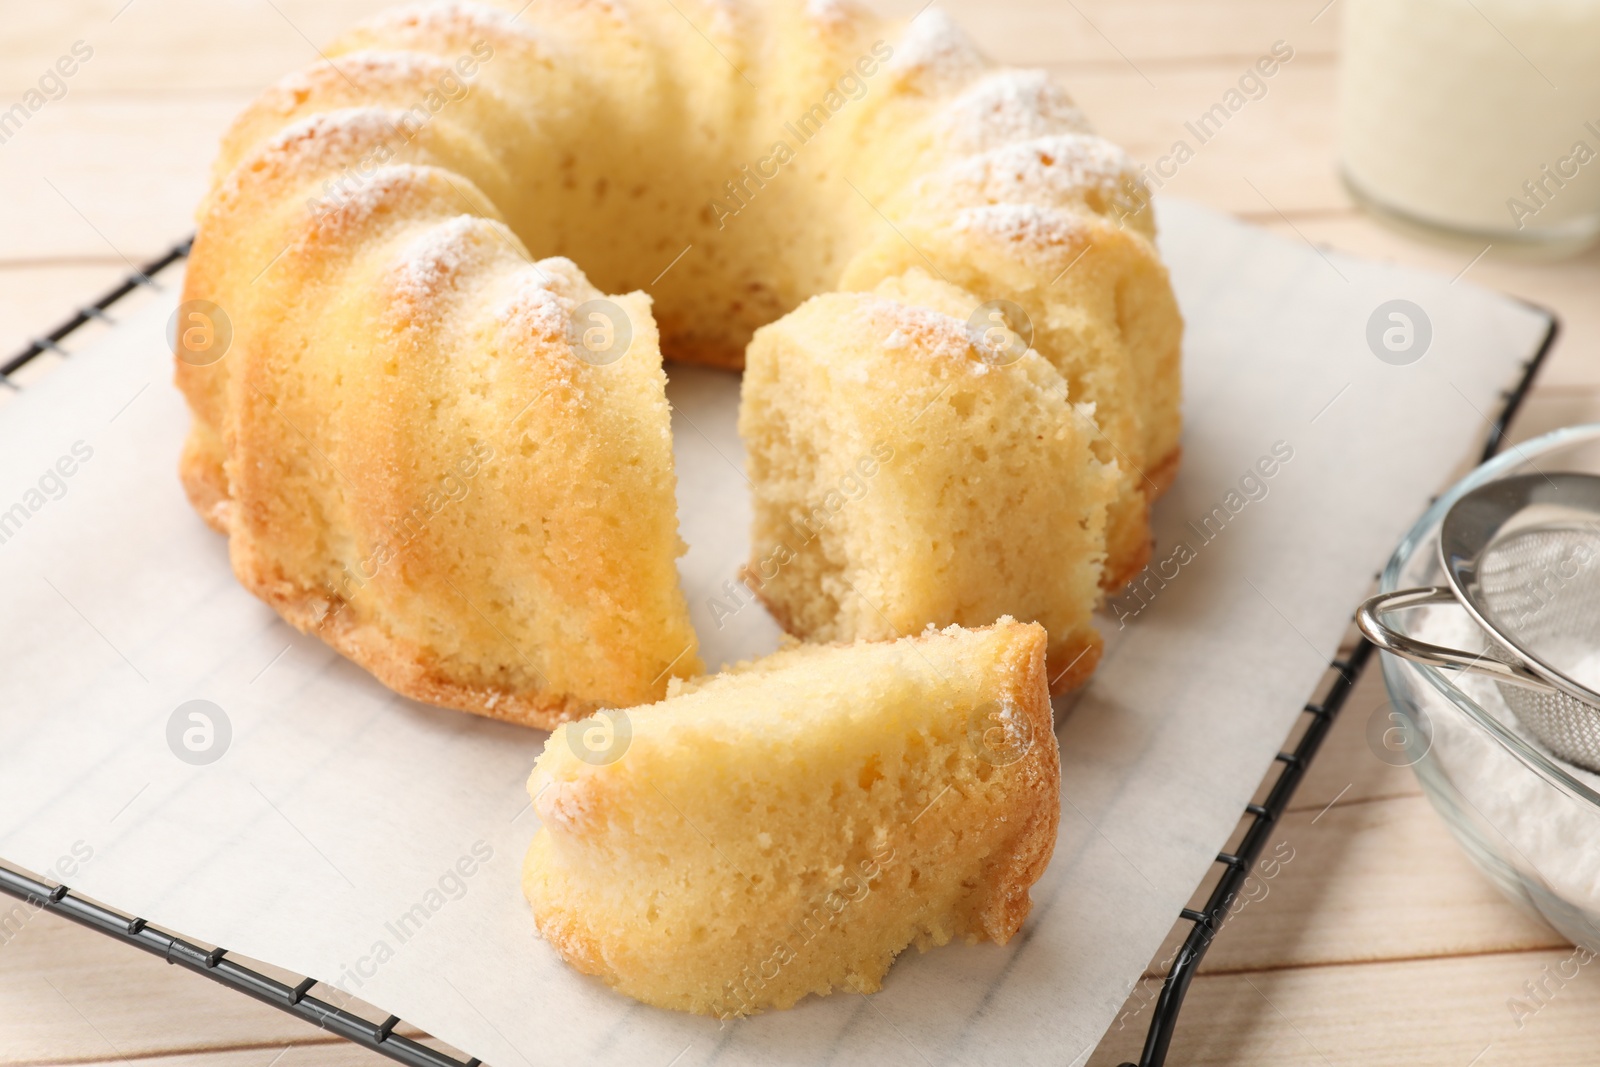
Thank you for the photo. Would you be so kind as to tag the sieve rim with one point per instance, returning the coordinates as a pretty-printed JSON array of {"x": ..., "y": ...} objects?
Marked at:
[
  {"x": 1418, "y": 539},
  {"x": 1370, "y": 620},
  {"x": 1461, "y": 570}
]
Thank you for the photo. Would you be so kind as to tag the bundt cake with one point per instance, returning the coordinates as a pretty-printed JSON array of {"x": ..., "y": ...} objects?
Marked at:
[
  {"x": 904, "y": 476},
  {"x": 368, "y": 233},
  {"x": 791, "y": 825}
]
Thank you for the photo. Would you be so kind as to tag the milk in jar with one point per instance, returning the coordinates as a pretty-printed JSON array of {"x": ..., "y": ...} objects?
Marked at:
[{"x": 1479, "y": 116}]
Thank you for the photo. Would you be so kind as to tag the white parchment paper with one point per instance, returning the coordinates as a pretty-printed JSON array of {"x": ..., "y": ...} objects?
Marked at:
[{"x": 369, "y": 841}]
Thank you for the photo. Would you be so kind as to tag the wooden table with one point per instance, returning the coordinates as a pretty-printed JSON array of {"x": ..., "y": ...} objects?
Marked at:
[{"x": 1375, "y": 943}]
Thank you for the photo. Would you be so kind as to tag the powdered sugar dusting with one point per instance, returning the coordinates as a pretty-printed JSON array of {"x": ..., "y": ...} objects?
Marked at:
[
  {"x": 450, "y": 15},
  {"x": 1029, "y": 225},
  {"x": 934, "y": 56},
  {"x": 451, "y": 30},
  {"x": 436, "y": 261},
  {"x": 533, "y": 311},
  {"x": 926, "y": 333},
  {"x": 1006, "y": 106},
  {"x": 325, "y": 141},
  {"x": 343, "y": 161},
  {"x": 541, "y": 302},
  {"x": 385, "y": 189},
  {"x": 1073, "y": 168},
  {"x": 537, "y": 321},
  {"x": 365, "y": 67},
  {"x": 566, "y": 279},
  {"x": 726, "y": 19},
  {"x": 568, "y": 808},
  {"x": 832, "y": 14},
  {"x": 319, "y": 154}
]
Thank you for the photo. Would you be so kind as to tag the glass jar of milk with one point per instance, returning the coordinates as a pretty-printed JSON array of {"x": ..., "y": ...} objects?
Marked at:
[{"x": 1476, "y": 116}]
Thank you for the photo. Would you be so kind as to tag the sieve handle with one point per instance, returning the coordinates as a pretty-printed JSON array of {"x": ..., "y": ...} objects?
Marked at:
[{"x": 1370, "y": 620}]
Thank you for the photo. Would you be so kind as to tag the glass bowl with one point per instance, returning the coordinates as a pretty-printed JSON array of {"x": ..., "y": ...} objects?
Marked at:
[{"x": 1528, "y": 820}]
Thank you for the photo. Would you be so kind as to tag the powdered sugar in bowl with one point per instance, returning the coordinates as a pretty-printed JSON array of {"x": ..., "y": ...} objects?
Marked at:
[{"x": 1530, "y": 821}]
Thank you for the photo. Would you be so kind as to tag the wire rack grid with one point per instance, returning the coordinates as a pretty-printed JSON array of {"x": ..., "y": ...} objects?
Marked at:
[{"x": 379, "y": 1035}]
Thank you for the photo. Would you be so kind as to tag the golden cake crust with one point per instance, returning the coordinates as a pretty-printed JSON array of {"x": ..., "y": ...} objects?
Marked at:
[
  {"x": 399, "y": 530},
  {"x": 1039, "y": 808},
  {"x": 517, "y": 127}
]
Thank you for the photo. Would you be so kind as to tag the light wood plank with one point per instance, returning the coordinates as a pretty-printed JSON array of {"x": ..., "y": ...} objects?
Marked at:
[
  {"x": 69, "y": 994},
  {"x": 234, "y": 47},
  {"x": 67, "y": 178},
  {"x": 1148, "y": 36},
  {"x": 71, "y": 191},
  {"x": 1347, "y": 771},
  {"x": 1379, "y": 880},
  {"x": 106, "y": 180},
  {"x": 37, "y": 297},
  {"x": 333, "y": 1053},
  {"x": 1273, "y": 154},
  {"x": 168, "y": 47},
  {"x": 1553, "y": 408},
  {"x": 1423, "y": 1013},
  {"x": 1376, "y": 880}
]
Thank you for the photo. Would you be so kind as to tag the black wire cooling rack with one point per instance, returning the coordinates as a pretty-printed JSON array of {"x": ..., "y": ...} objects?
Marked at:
[
  {"x": 1261, "y": 818},
  {"x": 379, "y": 1035}
]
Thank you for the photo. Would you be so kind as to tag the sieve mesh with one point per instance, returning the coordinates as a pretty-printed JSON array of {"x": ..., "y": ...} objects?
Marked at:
[{"x": 1541, "y": 589}]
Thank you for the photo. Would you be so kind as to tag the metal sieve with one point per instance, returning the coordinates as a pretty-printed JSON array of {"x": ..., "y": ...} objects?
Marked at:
[{"x": 1522, "y": 556}]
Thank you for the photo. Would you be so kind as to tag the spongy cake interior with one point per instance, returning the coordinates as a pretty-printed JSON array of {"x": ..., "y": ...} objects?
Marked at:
[
  {"x": 790, "y": 826},
  {"x": 901, "y": 478}
]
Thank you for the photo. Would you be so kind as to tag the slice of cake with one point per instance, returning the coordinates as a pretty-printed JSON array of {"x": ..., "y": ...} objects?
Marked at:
[
  {"x": 791, "y": 825},
  {"x": 1101, "y": 310},
  {"x": 908, "y": 471}
]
